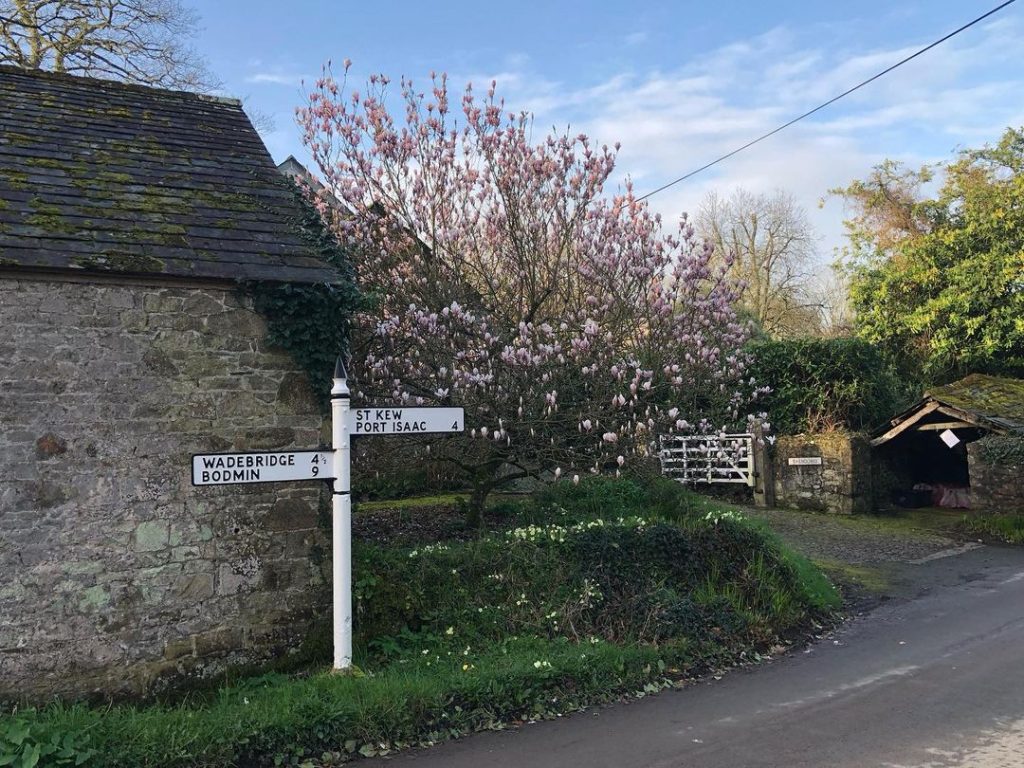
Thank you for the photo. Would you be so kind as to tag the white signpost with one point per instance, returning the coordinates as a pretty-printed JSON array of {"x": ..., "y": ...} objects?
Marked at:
[{"x": 334, "y": 465}]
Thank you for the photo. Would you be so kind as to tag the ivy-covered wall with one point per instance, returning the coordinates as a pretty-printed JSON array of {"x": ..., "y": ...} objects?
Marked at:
[
  {"x": 311, "y": 321},
  {"x": 996, "y": 465}
]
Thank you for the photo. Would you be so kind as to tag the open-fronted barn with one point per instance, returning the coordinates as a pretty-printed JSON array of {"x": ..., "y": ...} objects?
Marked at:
[{"x": 939, "y": 451}]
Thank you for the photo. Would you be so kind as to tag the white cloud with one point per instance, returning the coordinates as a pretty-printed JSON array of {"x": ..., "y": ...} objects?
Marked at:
[
  {"x": 275, "y": 78},
  {"x": 671, "y": 122}
]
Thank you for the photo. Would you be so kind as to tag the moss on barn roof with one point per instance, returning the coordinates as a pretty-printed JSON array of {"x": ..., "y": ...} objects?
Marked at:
[
  {"x": 103, "y": 176},
  {"x": 995, "y": 399}
]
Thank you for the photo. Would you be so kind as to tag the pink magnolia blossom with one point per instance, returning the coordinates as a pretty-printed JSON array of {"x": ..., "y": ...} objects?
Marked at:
[{"x": 508, "y": 281}]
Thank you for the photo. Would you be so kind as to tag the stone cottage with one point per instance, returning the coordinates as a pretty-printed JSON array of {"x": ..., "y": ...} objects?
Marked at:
[{"x": 127, "y": 216}]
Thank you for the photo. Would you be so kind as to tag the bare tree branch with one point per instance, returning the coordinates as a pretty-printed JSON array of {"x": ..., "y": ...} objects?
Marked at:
[
  {"x": 138, "y": 41},
  {"x": 771, "y": 244}
]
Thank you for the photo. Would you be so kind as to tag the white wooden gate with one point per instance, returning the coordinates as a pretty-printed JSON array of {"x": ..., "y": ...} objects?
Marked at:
[{"x": 708, "y": 458}]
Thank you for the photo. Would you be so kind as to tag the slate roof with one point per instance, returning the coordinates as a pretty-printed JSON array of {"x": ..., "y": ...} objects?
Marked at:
[
  {"x": 993, "y": 403},
  {"x": 996, "y": 400},
  {"x": 103, "y": 176}
]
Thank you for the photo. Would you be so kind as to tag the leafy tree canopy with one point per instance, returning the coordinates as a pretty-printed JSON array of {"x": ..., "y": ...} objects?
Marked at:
[
  {"x": 823, "y": 384},
  {"x": 939, "y": 281}
]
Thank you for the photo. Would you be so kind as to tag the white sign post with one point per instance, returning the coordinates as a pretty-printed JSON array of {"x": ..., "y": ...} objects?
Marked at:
[
  {"x": 347, "y": 422},
  {"x": 284, "y": 466},
  {"x": 341, "y": 520}
]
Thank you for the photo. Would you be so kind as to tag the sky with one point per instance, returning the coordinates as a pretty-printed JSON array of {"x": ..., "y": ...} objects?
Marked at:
[{"x": 677, "y": 83}]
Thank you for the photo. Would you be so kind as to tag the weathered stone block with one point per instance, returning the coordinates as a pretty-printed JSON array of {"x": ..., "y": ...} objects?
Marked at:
[
  {"x": 151, "y": 536},
  {"x": 94, "y": 598},
  {"x": 265, "y": 439},
  {"x": 231, "y": 580},
  {"x": 290, "y": 515},
  {"x": 840, "y": 483},
  {"x": 163, "y": 301},
  {"x": 108, "y": 554},
  {"x": 176, "y": 649},
  {"x": 50, "y": 445},
  {"x": 195, "y": 587},
  {"x": 218, "y": 640}
]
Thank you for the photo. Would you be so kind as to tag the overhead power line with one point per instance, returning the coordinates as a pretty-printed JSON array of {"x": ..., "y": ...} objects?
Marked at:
[{"x": 833, "y": 100}]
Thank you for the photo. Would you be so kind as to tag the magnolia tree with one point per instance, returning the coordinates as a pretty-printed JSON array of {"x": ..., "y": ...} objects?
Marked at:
[{"x": 571, "y": 326}]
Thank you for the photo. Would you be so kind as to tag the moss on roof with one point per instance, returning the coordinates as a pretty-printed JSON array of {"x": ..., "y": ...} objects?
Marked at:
[
  {"x": 992, "y": 397},
  {"x": 89, "y": 167}
]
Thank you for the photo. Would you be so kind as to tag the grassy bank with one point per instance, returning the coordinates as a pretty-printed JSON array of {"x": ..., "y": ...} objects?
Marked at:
[
  {"x": 596, "y": 591},
  {"x": 1008, "y": 529}
]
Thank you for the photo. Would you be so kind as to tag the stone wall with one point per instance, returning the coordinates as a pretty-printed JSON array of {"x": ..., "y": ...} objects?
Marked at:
[
  {"x": 996, "y": 466},
  {"x": 840, "y": 483},
  {"x": 116, "y": 575}
]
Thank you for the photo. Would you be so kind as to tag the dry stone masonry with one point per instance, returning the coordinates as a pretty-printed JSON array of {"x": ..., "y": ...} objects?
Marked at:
[
  {"x": 828, "y": 472},
  {"x": 128, "y": 216},
  {"x": 997, "y": 474},
  {"x": 116, "y": 575}
]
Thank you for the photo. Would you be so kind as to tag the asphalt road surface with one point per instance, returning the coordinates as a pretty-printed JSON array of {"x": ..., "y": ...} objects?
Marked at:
[{"x": 931, "y": 681}]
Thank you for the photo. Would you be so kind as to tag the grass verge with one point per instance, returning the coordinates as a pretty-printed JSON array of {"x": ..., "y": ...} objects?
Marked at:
[
  {"x": 1008, "y": 529},
  {"x": 599, "y": 590}
]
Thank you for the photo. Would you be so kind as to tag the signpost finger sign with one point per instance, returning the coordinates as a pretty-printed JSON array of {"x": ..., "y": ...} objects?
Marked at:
[
  {"x": 405, "y": 421},
  {"x": 273, "y": 467}
]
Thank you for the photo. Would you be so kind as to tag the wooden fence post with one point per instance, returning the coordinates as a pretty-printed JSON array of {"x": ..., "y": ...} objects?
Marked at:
[{"x": 764, "y": 469}]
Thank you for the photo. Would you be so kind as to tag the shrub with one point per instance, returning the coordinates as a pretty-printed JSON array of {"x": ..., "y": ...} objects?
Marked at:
[
  {"x": 550, "y": 616},
  {"x": 586, "y": 562},
  {"x": 822, "y": 384},
  {"x": 26, "y": 742}
]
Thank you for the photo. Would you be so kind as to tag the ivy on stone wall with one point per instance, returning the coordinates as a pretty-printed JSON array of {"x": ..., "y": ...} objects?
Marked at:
[
  {"x": 311, "y": 322},
  {"x": 1002, "y": 449}
]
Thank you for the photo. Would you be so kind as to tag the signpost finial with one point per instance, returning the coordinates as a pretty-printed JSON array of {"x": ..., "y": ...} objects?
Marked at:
[{"x": 339, "y": 368}]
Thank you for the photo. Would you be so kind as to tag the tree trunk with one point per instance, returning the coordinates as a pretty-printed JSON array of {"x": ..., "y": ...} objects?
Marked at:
[{"x": 477, "y": 499}]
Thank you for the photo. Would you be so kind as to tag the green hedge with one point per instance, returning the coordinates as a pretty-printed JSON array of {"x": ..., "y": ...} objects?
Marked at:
[{"x": 821, "y": 384}]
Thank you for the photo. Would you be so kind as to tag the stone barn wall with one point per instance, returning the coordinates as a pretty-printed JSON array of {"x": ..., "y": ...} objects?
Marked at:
[
  {"x": 840, "y": 484},
  {"x": 996, "y": 466},
  {"x": 116, "y": 575}
]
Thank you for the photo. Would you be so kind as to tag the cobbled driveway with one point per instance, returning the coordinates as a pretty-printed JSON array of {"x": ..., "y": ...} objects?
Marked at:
[
  {"x": 856, "y": 540},
  {"x": 876, "y": 558}
]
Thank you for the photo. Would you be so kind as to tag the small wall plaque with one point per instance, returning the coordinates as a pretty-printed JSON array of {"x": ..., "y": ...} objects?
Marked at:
[{"x": 805, "y": 461}]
